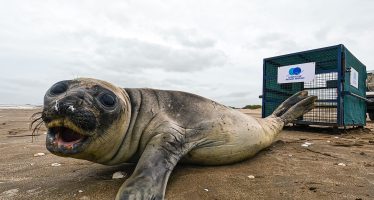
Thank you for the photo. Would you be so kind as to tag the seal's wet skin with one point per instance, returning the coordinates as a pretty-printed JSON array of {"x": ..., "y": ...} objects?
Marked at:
[{"x": 94, "y": 120}]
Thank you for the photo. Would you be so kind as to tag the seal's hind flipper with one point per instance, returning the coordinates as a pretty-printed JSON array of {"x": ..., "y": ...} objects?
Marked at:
[
  {"x": 300, "y": 108},
  {"x": 288, "y": 103},
  {"x": 295, "y": 106}
]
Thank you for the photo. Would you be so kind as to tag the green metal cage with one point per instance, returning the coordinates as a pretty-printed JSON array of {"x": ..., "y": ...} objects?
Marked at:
[{"x": 338, "y": 104}]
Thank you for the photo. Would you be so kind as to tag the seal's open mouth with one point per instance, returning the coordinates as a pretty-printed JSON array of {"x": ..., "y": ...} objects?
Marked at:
[{"x": 65, "y": 137}]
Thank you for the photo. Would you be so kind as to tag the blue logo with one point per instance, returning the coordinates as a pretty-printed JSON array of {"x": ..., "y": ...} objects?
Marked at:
[{"x": 294, "y": 71}]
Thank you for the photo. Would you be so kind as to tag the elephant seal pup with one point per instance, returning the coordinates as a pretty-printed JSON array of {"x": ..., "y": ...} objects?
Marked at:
[{"x": 94, "y": 120}]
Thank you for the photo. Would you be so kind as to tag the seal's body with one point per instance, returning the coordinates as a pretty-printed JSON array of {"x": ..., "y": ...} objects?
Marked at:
[
  {"x": 215, "y": 134},
  {"x": 94, "y": 120}
]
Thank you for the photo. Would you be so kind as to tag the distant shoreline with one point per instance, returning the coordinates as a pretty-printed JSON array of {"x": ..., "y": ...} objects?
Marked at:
[{"x": 14, "y": 106}]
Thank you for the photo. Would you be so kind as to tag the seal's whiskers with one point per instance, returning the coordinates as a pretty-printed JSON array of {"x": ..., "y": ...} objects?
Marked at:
[{"x": 36, "y": 119}]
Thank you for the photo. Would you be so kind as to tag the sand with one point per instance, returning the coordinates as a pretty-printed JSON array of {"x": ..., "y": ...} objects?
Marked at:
[{"x": 336, "y": 165}]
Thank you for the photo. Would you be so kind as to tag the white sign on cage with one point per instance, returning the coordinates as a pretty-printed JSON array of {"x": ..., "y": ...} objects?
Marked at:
[
  {"x": 354, "y": 78},
  {"x": 304, "y": 72}
]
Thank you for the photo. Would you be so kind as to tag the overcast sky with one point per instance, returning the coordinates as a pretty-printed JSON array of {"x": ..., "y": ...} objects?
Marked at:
[{"x": 211, "y": 48}]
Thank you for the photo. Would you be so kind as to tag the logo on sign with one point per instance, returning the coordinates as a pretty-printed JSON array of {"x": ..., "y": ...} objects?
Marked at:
[{"x": 294, "y": 71}]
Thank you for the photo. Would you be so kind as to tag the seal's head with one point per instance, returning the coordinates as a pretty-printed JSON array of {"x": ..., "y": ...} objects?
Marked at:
[{"x": 83, "y": 113}]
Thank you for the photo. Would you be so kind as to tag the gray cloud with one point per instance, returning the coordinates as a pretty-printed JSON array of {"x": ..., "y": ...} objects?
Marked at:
[
  {"x": 188, "y": 38},
  {"x": 119, "y": 53},
  {"x": 211, "y": 48},
  {"x": 281, "y": 42},
  {"x": 129, "y": 54}
]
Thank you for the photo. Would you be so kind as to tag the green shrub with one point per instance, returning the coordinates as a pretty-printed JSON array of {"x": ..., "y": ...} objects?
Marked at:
[{"x": 252, "y": 107}]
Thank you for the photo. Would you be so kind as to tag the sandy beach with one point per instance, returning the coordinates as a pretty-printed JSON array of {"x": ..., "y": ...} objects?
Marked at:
[{"x": 334, "y": 165}]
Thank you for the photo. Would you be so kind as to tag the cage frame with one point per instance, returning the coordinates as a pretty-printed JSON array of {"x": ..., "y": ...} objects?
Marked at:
[{"x": 342, "y": 93}]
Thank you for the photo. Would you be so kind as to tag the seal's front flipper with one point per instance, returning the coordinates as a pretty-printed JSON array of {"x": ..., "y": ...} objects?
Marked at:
[{"x": 154, "y": 167}]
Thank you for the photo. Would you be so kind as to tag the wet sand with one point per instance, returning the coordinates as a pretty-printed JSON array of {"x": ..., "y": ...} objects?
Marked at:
[{"x": 286, "y": 170}]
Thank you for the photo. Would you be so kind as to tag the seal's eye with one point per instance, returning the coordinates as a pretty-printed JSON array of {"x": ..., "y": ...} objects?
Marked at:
[
  {"x": 107, "y": 100},
  {"x": 58, "y": 88}
]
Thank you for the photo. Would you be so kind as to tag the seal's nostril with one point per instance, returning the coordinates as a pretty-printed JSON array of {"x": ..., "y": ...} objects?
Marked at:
[
  {"x": 63, "y": 105},
  {"x": 80, "y": 93}
]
